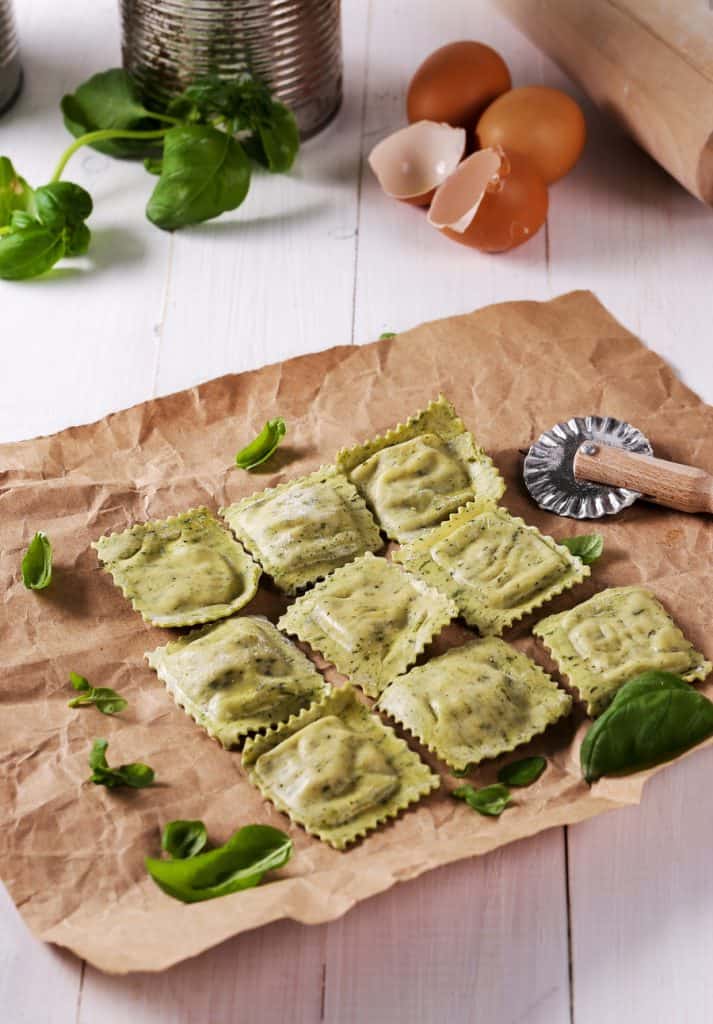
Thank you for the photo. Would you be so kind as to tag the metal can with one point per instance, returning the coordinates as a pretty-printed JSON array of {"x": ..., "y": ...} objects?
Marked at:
[
  {"x": 294, "y": 46},
  {"x": 10, "y": 69}
]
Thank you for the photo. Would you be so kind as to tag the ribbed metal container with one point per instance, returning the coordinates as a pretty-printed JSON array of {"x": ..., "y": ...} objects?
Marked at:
[
  {"x": 10, "y": 70},
  {"x": 292, "y": 45}
]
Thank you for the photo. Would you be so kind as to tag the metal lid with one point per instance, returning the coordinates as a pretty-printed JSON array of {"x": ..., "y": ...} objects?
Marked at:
[{"x": 549, "y": 467}]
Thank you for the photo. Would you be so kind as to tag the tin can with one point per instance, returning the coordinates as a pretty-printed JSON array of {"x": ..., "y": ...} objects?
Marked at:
[
  {"x": 294, "y": 46},
  {"x": 10, "y": 69}
]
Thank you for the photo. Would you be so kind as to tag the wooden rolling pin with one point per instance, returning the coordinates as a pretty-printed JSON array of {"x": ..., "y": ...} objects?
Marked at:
[
  {"x": 667, "y": 483},
  {"x": 647, "y": 62}
]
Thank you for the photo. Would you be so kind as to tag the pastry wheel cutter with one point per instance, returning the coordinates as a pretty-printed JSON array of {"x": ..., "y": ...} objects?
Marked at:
[{"x": 593, "y": 466}]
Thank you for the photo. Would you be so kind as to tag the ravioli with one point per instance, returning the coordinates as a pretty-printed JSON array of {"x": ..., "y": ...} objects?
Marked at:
[
  {"x": 494, "y": 566},
  {"x": 370, "y": 619},
  {"x": 615, "y": 635},
  {"x": 302, "y": 530},
  {"x": 180, "y": 571},
  {"x": 337, "y": 770},
  {"x": 421, "y": 471},
  {"x": 475, "y": 702},
  {"x": 237, "y": 676}
]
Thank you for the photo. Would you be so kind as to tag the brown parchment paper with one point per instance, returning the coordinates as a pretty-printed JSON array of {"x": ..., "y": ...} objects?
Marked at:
[{"x": 72, "y": 854}]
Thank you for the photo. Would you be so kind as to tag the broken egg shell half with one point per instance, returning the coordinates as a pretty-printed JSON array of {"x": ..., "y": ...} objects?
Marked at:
[
  {"x": 493, "y": 201},
  {"x": 414, "y": 161}
]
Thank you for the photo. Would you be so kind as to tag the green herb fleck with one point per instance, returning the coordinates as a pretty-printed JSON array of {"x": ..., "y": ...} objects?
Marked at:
[
  {"x": 490, "y": 800},
  {"x": 586, "y": 546},
  {"x": 260, "y": 450},
  {"x": 387, "y": 334},
  {"x": 105, "y": 700},
  {"x": 240, "y": 864},
  {"x": 37, "y": 563},
  {"x": 135, "y": 775},
  {"x": 523, "y": 772},
  {"x": 184, "y": 839},
  {"x": 653, "y": 717}
]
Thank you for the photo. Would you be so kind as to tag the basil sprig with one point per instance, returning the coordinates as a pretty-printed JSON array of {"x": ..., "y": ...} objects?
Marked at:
[
  {"x": 37, "y": 563},
  {"x": 490, "y": 800},
  {"x": 183, "y": 839},
  {"x": 586, "y": 546},
  {"x": 102, "y": 697},
  {"x": 652, "y": 718},
  {"x": 201, "y": 148},
  {"x": 523, "y": 772},
  {"x": 240, "y": 864},
  {"x": 260, "y": 450},
  {"x": 135, "y": 775}
]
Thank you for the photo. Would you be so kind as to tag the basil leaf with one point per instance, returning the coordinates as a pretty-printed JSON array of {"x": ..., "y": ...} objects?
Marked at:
[
  {"x": 154, "y": 164},
  {"x": 523, "y": 772},
  {"x": 490, "y": 800},
  {"x": 76, "y": 240},
  {"x": 110, "y": 99},
  {"x": 646, "y": 682},
  {"x": 460, "y": 773},
  {"x": 387, "y": 334},
  {"x": 240, "y": 864},
  {"x": 260, "y": 450},
  {"x": 587, "y": 546},
  {"x": 62, "y": 203},
  {"x": 15, "y": 193},
  {"x": 184, "y": 839},
  {"x": 649, "y": 724},
  {"x": 276, "y": 139},
  {"x": 205, "y": 172},
  {"x": 79, "y": 682},
  {"x": 37, "y": 563},
  {"x": 29, "y": 251},
  {"x": 102, "y": 697},
  {"x": 136, "y": 775}
]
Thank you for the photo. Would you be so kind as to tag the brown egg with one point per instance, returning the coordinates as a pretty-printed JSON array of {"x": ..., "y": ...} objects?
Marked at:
[
  {"x": 492, "y": 202},
  {"x": 456, "y": 83},
  {"x": 543, "y": 124}
]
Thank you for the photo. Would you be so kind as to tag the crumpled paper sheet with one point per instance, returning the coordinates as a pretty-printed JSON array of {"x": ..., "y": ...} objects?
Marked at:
[{"x": 72, "y": 854}]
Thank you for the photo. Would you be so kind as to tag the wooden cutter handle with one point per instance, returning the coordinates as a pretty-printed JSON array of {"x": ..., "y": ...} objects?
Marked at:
[{"x": 668, "y": 483}]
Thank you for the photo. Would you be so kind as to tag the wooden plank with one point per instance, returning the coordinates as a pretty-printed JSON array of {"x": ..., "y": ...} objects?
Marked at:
[
  {"x": 480, "y": 940},
  {"x": 268, "y": 976},
  {"x": 37, "y": 982},
  {"x": 275, "y": 278},
  {"x": 82, "y": 342}
]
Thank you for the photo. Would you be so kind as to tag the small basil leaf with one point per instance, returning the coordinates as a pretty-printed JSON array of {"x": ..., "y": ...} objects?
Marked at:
[
  {"x": 490, "y": 800},
  {"x": 184, "y": 839},
  {"x": 135, "y": 775},
  {"x": 387, "y": 334},
  {"x": 240, "y": 864},
  {"x": 15, "y": 193},
  {"x": 205, "y": 172},
  {"x": 29, "y": 251},
  {"x": 460, "y": 773},
  {"x": 587, "y": 546},
  {"x": 523, "y": 772},
  {"x": 79, "y": 682},
  {"x": 37, "y": 563},
  {"x": 644, "y": 730},
  {"x": 260, "y": 450},
  {"x": 62, "y": 203},
  {"x": 109, "y": 99},
  {"x": 276, "y": 139}
]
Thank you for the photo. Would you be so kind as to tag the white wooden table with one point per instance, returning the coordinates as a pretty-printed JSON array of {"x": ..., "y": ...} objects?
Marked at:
[{"x": 609, "y": 921}]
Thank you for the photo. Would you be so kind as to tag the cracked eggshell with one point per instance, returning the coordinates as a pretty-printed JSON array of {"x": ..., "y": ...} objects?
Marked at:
[
  {"x": 414, "y": 161},
  {"x": 493, "y": 201}
]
